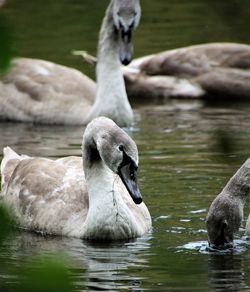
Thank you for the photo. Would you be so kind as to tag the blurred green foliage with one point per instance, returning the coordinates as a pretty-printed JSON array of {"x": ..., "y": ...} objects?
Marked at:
[
  {"x": 43, "y": 274},
  {"x": 6, "y": 223},
  {"x": 6, "y": 45}
]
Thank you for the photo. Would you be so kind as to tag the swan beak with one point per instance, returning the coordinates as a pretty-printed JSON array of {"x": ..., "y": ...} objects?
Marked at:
[
  {"x": 126, "y": 46},
  {"x": 220, "y": 237},
  {"x": 126, "y": 52},
  {"x": 128, "y": 175}
]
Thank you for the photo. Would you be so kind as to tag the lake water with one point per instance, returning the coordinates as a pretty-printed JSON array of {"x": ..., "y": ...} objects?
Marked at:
[{"x": 188, "y": 151}]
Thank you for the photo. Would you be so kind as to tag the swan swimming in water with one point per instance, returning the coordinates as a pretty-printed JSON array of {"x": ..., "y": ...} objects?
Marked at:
[
  {"x": 225, "y": 214},
  {"x": 207, "y": 71},
  {"x": 95, "y": 197},
  {"x": 44, "y": 92}
]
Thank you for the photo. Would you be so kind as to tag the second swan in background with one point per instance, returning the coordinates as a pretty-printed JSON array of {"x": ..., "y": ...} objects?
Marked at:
[{"x": 44, "y": 92}]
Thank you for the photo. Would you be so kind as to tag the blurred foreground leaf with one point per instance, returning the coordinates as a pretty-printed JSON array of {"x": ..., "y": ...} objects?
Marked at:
[
  {"x": 45, "y": 275},
  {"x": 6, "y": 46},
  {"x": 6, "y": 223}
]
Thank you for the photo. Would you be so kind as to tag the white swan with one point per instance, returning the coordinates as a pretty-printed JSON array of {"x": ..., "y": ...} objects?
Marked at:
[
  {"x": 100, "y": 201},
  {"x": 44, "y": 92}
]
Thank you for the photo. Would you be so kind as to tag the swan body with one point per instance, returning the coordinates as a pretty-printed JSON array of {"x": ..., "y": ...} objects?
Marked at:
[
  {"x": 95, "y": 197},
  {"x": 44, "y": 92},
  {"x": 213, "y": 69},
  {"x": 225, "y": 214}
]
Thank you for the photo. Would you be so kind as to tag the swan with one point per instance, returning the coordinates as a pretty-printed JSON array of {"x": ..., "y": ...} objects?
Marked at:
[
  {"x": 2, "y": 2},
  {"x": 95, "y": 197},
  {"x": 218, "y": 70},
  {"x": 225, "y": 214},
  {"x": 43, "y": 92}
]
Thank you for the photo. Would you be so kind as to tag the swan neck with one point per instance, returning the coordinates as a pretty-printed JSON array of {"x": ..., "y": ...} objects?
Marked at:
[
  {"x": 108, "y": 44},
  {"x": 108, "y": 69},
  {"x": 239, "y": 184},
  {"x": 111, "y": 97},
  {"x": 108, "y": 218}
]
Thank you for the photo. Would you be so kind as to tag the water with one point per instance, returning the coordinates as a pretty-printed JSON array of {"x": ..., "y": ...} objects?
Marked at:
[{"x": 188, "y": 151}]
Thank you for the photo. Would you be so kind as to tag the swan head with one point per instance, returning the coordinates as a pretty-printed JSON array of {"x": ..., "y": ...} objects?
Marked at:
[
  {"x": 220, "y": 235},
  {"x": 223, "y": 220},
  {"x": 126, "y": 17},
  {"x": 116, "y": 149}
]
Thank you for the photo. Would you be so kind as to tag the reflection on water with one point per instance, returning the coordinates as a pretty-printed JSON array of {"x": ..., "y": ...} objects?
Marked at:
[
  {"x": 37, "y": 140},
  {"x": 226, "y": 273},
  {"x": 95, "y": 267}
]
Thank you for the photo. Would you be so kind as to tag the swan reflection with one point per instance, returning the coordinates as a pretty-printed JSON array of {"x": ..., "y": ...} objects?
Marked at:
[{"x": 94, "y": 266}]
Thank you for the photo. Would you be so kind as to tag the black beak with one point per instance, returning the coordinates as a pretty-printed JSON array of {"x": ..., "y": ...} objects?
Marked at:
[
  {"x": 126, "y": 53},
  {"x": 126, "y": 46},
  {"x": 128, "y": 175}
]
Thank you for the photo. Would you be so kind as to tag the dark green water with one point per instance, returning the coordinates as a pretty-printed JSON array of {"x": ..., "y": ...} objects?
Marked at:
[{"x": 188, "y": 150}]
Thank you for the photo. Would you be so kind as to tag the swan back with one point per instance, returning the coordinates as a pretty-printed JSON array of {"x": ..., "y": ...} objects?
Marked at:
[
  {"x": 44, "y": 92},
  {"x": 9, "y": 162}
]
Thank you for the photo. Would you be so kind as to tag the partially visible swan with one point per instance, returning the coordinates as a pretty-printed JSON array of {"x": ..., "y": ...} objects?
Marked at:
[
  {"x": 95, "y": 197},
  {"x": 43, "y": 92},
  {"x": 213, "y": 70},
  {"x": 226, "y": 211},
  {"x": 219, "y": 70},
  {"x": 2, "y": 2}
]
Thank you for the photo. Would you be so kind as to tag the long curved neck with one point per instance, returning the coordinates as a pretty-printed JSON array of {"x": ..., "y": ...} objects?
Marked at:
[
  {"x": 239, "y": 184},
  {"x": 111, "y": 98},
  {"x": 108, "y": 217},
  {"x": 110, "y": 83},
  {"x": 108, "y": 44}
]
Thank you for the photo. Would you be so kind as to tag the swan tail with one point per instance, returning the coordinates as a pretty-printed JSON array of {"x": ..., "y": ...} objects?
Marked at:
[{"x": 9, "y": 162}]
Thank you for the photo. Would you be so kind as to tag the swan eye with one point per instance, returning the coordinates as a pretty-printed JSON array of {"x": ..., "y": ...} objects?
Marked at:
[{"x": 120, "y": 147}]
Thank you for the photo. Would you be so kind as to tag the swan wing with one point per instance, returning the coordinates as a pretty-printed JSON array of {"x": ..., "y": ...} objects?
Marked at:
[
  {"x": 49, "y": 196},
  {"x": 45, "y": 92}
]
